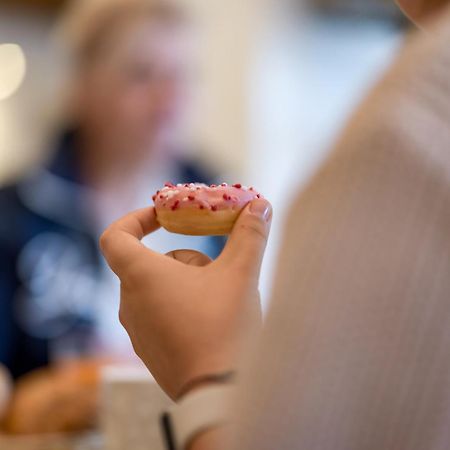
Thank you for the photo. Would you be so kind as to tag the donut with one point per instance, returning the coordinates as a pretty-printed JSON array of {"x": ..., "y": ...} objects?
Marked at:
[{"x": 196, "y": 209}]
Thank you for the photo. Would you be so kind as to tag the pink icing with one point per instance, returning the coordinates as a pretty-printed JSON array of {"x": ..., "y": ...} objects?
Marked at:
[{"x": 201, "y": 196}]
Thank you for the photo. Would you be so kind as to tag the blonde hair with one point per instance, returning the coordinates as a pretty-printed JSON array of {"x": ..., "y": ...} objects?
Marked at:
[{"x": 87, "y": 24}]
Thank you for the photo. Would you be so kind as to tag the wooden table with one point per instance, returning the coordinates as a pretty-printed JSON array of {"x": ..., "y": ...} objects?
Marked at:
[{"x": 90, "y": 441}]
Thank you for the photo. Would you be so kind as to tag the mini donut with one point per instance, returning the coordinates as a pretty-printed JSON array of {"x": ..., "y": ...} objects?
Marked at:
[{"x": 196, "y": 209}]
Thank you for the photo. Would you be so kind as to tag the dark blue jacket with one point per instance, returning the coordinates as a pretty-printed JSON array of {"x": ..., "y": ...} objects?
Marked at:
[{"x": 39, "y": 222}]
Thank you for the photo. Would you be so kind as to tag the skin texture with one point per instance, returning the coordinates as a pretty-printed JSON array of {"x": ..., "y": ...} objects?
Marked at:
[
  {"x": 421, "y": 10},
  {"x": 182, "y": 337}
]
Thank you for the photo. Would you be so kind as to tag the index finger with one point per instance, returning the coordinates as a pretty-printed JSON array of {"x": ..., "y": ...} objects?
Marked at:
[{"x": 121, "y": 242}]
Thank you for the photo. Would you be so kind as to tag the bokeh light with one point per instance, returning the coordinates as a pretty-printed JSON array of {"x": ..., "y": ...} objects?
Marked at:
[{"x": 12, "y": 69}]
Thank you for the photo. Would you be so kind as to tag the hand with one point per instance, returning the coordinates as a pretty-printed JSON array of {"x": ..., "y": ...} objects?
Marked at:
[
  {"x": 186, "y": 314},
  {"x": 419, "y": 10}
]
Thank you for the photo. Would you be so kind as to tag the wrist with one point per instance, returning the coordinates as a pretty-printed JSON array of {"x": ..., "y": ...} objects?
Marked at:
[
  {"x": 203, "y": 381},
  {"x": 198, "y": 418}
]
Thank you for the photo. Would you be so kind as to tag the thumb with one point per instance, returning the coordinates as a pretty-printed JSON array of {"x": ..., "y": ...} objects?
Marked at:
[
  {"x": 121, "y": 243},
  {"x": 247, "y": 242},
  {"x": 419, "y": 9}
]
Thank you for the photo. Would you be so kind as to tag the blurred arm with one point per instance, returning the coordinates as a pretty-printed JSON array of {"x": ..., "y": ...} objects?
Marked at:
[{"x": 355, "y": 353}]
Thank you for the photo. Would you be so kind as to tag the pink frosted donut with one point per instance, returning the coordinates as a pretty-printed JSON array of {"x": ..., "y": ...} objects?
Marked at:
[{"x": 200, "y": 210}]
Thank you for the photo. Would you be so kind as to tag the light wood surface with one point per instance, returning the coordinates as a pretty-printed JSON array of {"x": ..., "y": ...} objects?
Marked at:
[{"x": 89, "y": 441}]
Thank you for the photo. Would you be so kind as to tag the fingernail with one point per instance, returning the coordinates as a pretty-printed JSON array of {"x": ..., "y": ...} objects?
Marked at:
[{"x": 261, "y": 208}]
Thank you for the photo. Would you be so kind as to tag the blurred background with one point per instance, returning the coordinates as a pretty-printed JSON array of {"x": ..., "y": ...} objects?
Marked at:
[{"x": 101, "y": 101}]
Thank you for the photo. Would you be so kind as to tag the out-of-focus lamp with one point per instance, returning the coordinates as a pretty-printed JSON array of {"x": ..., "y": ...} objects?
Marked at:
[{"x": 12, "y": 69}]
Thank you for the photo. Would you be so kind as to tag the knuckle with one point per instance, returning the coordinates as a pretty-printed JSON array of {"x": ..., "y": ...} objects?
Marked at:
[
  {"x": 123, "y": 318},
  {"x": 255, "y": 228},
  {"x": 105, "y": 240},
  {"x": 136, "y": 347},
  {"x": 134, "y": 274}
]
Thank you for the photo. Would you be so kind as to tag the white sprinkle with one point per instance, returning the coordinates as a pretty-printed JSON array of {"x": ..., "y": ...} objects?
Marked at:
[
  {"x": 244, "y": 188},
  {"x": 171, "y": 194},
  {"x": 185, "y": 199}
]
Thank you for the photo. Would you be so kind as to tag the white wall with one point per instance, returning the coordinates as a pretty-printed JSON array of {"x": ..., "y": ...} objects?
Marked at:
[
  {"x": 24, "y": 117},
  {"x": 230, "y": 31}
]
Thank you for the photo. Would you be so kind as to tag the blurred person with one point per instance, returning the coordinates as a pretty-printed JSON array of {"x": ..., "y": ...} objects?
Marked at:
[
  {"x": 355, "y": 351},
  {"x": 132, "y": 64}
]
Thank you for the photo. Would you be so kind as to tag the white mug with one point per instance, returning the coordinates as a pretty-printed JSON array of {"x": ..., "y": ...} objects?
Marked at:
[{"x": 132, "y": 404}]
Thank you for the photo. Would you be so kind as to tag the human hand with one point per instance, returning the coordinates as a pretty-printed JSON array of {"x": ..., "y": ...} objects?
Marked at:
[
  {"x": 186, "y": 315},
  {"x": 420, "y": 10}
]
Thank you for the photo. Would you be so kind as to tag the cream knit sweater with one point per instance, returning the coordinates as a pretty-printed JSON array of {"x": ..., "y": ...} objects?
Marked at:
[{"x": 355, "y": 354}]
